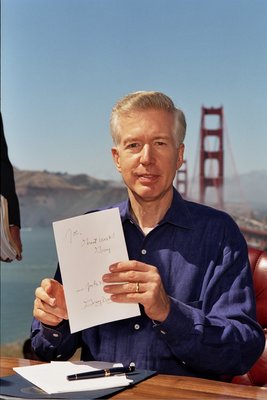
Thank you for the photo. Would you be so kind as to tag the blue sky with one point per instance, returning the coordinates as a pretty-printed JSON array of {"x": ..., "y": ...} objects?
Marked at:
[{"x": 66, "y": 62}]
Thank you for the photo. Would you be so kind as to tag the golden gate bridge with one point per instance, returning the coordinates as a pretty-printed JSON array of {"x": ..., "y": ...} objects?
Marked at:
[{"x": 211, "y": 178}]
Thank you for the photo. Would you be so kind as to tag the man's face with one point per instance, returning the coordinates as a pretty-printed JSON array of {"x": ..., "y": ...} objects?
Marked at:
[{"x": 147, "y": 155}]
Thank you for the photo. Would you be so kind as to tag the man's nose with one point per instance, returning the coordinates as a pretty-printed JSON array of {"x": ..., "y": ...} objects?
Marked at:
[{"x": 146, "y": 156}]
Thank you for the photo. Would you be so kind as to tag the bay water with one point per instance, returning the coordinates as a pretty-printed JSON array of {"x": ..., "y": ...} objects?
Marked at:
[{"x": 19, "y": 279}]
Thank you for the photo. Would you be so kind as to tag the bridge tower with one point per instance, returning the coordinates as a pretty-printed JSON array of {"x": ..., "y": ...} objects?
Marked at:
[
  {"x": 181, "y": 180},
  {"x": 211, "y": 131}
]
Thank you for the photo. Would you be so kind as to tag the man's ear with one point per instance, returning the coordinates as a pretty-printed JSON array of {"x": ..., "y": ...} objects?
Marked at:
[
  {"x": 116, "y": 158},
  {"x": 180, "y": 156}
]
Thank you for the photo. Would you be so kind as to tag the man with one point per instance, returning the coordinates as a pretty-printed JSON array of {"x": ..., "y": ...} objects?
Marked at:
[
  {"x": 8, "y": 190},
  {"x": 188, "y": 267}
]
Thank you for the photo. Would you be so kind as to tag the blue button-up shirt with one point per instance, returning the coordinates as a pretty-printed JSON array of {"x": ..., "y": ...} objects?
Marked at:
[{"x": 211, "y": 328}]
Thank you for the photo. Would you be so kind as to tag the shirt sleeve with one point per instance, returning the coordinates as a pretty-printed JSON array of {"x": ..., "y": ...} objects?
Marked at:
[
  {"x": 221, "y": 328},
  {"x": 54, "y": 343}
]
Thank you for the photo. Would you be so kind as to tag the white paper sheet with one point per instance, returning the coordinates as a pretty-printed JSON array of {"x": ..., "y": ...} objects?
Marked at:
[
  {"x": 86, "y": 246},
  {"x": 52, "y": 377}
]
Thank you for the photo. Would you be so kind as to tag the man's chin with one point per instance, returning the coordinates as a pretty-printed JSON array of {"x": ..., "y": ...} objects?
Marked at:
[{"x": 146, "y": 193}]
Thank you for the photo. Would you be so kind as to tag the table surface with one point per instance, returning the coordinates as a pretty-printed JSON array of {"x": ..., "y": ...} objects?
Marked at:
[{"x": 166, "y": 386}]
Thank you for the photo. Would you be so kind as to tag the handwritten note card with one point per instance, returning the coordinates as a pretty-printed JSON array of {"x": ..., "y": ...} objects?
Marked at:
[{"x": 86, "y": 246}]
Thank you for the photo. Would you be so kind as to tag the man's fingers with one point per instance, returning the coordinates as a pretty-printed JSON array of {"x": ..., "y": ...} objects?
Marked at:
[
  {"x": 130, "y": 265},
  {"x": 42, "y": 294},
  {"x": 45, "y": 318},
  {"x": 127, "y": 276},
  {"x": 134, "y": 287},
  {"x": 49, "y": 285},
  {"x": 49, "y": 304},
  {"x": 42, "y": 307}
]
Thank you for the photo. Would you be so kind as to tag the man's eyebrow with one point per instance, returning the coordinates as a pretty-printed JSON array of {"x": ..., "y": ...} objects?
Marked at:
[
  {"x": 129, "y": 138},
  {"x": 162, "y": 136}
]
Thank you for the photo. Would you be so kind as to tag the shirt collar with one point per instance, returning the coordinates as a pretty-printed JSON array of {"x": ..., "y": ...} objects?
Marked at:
[{"x": 178, "y": 213}]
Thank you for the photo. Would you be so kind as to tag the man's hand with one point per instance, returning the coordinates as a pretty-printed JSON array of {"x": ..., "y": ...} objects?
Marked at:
[
  {"x": 49, "y": 305},
  {"x": 143, "y": 285}
]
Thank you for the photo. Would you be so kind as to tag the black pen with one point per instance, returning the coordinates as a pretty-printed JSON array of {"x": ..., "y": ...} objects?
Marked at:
[{"x": 101, "y": 373}]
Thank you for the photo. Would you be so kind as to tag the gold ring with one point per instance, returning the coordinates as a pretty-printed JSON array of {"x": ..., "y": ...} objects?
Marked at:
[{"x": 137, "y": 287}]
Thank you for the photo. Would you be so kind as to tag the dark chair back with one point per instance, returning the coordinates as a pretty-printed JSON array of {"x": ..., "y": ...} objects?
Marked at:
[{"x": 257, "y": 375}]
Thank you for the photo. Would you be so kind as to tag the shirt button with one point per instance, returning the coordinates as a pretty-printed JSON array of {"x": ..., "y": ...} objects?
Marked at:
[
  {"x": 136, "y": 327},
  {"x": 143, "y": 251},
  {"x": 55, "y": 334},
  {"x": 163, "y": 332}
]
